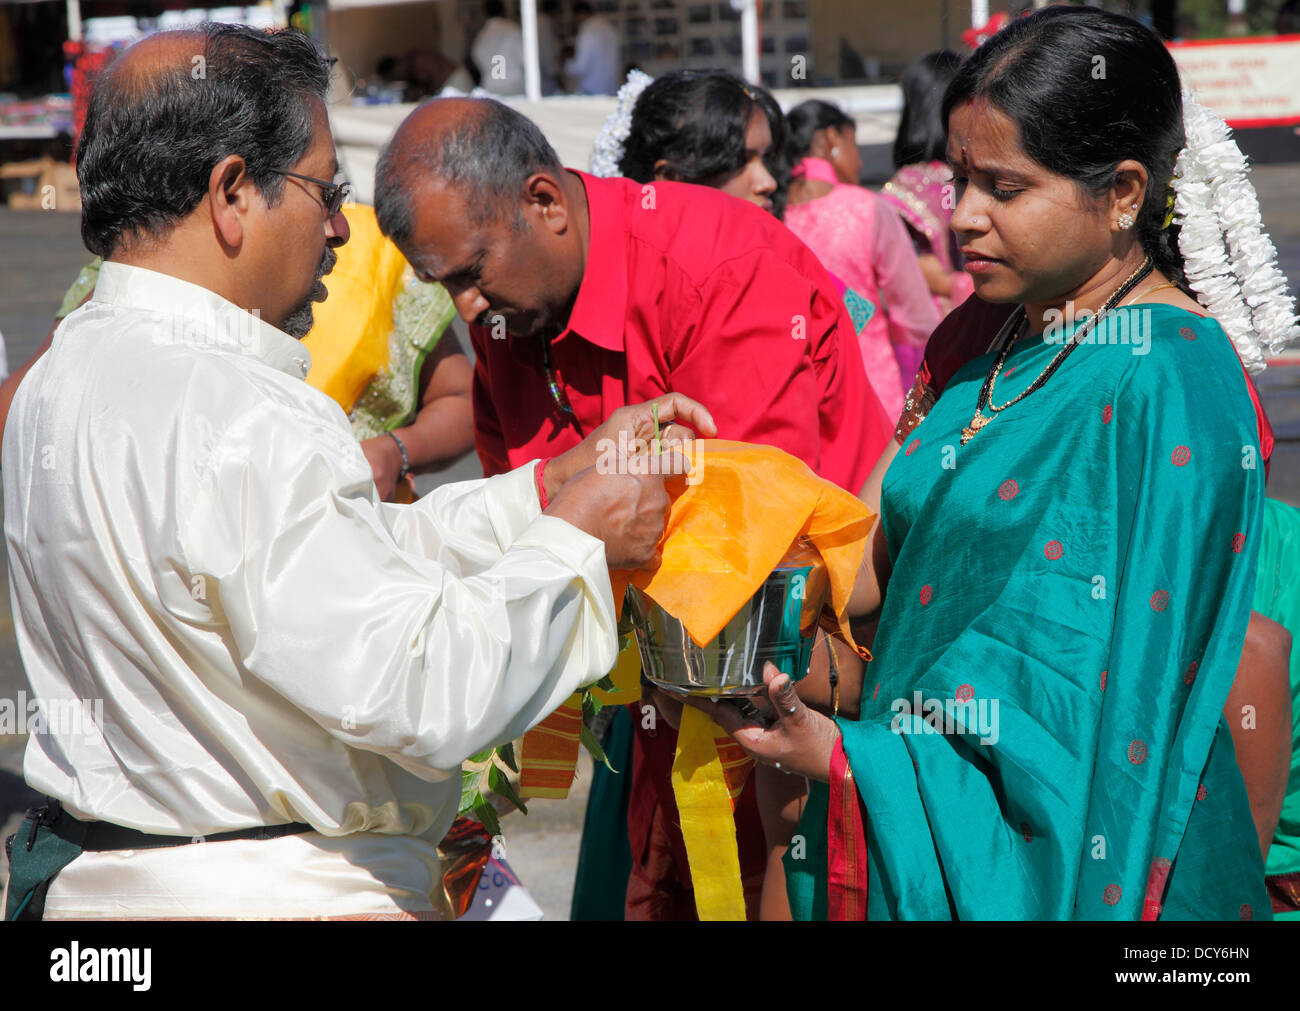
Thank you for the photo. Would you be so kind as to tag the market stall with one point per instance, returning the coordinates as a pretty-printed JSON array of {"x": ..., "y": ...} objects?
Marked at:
[{"x": 48, "y": 58}]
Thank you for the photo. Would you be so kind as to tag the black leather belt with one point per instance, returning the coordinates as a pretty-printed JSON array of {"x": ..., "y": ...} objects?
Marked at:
[
  {"x": 103, "y": 835},
  {"x": 36, "y": 856}
]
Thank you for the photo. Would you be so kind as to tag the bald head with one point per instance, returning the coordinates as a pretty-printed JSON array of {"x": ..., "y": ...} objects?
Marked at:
[
  {"x": 479, "y": 149},
  {"x": 140, "y": 66},
  {"x": 175, "y": 104}
]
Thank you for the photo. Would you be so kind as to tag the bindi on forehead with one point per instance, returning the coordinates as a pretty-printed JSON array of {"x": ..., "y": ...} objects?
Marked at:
[{"x": 986, "y": 141}]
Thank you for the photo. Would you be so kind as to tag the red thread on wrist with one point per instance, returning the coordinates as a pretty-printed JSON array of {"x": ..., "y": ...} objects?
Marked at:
[{"x": 539, "y": 475}]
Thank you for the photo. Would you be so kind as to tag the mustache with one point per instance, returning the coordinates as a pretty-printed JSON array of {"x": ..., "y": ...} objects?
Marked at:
[
  {"x": 299, "y": 322},
  {"x": 327, "y": 262}
]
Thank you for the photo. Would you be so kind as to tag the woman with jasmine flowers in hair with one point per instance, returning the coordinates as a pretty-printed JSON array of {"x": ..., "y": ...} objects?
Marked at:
[
  {"x": 1068, "y": 540},
  {"x": 701, "y": 126}
]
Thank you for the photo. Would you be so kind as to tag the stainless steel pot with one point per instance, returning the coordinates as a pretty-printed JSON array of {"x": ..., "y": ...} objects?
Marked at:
[{"x": 766, "y": 628}]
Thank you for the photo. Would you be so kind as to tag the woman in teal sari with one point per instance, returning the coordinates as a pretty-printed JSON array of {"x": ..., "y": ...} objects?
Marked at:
[{"x": 1067, "y": 546}]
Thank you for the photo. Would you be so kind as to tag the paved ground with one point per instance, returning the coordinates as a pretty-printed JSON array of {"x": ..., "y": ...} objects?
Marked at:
[{"x": 40, "y": 253}]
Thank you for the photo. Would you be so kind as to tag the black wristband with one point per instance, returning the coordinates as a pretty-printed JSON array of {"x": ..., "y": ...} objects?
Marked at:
[{"x": 406, "y": 461}]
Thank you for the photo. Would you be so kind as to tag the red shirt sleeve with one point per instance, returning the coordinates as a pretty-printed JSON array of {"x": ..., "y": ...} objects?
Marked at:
[{"x": 774, "y": 357}]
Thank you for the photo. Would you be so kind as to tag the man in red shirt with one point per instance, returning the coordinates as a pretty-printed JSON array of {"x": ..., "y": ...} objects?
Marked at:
[{"x": 586, "y": 294}]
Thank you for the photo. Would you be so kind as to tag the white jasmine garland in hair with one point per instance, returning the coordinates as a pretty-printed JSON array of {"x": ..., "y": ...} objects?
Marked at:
[
  {"x": 607, "y": 152},
  {"x": 1229, "y": 262}
]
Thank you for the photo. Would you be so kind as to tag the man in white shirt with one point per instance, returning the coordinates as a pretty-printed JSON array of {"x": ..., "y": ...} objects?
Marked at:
[
  {"x": 233, "y": 640},
  {"x": 594, "y": 68},
  {"x": 498, "y": 52}
]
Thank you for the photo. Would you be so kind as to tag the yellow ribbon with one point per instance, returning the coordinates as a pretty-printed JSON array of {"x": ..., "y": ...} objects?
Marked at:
[{"x": 704, "y": 805}]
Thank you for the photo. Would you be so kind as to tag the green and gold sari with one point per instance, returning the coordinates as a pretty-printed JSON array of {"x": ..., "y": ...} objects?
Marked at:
[{"x": 1042, "y": 732}]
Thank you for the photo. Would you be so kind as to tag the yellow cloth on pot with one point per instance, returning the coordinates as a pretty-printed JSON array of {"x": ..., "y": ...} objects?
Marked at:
[
  {"x": 732, "y": 522},
  {"x": 730, "y": 525}
]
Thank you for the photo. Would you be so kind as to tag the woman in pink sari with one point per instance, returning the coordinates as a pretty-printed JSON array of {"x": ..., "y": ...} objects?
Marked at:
[
  {"x": 859, "y": 239},
  {"x": 921, "y": 190}
]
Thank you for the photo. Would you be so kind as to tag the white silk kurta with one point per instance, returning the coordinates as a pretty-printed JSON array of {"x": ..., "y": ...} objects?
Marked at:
[{"x": 195, "y": 539}]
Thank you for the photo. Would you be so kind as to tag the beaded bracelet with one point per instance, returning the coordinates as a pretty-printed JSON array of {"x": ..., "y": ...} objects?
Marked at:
[{"x": 406, "y": 461}]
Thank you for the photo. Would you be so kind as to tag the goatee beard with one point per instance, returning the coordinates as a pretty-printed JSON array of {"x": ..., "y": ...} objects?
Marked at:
[{"x": 299, "y": 322}]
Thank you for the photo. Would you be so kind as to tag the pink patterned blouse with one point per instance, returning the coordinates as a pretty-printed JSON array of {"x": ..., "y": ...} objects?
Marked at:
[{"x": 860, "y": 239}]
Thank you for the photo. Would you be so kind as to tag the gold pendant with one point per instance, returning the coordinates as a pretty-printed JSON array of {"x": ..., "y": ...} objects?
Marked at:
[{"x": 976, "y": 423}]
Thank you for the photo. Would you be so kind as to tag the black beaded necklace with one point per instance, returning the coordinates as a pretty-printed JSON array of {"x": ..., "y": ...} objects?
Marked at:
[{"x": 1017, "y": 325}]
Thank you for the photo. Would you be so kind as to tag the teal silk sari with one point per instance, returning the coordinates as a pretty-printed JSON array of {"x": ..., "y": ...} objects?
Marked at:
[{"x": 1071, "y": 591}]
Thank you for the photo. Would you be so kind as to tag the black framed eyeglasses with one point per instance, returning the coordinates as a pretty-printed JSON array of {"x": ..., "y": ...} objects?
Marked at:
[{"x": 332, "y": 194}]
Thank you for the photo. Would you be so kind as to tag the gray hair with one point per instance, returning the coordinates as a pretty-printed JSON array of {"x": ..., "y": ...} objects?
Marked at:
[
  {"x": 153, "y": 134},
  {"x": 487, "y": 157}
]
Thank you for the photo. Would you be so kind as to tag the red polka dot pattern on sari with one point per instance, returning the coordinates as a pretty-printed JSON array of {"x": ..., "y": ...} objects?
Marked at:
[
  {"x": 1238, "y": 542},
  {"x": 911, "y": 446},
  {"x": 1026, "y": 831},
  {"x": 926, "y": 594},
  {"x": 1201, "y": 793},
  {"x": 1137, "y": 752},
  {"x": 1008, "y": 490},
  {"x": 1159, "y": 600},
  {"x": 1107, "y": 413},
  {"x": 1246, "y": 913},
  {"x": 964, "y": 693},
  {"x": 1190, "y": 676},
  {"x": 1187, "y": 333},
  {"x": 1181, "y": 456},
  {"x": 1111, "y": 895},
  {"x": 1104, "y": 675},
  {"x": 1053, "y": 550}
]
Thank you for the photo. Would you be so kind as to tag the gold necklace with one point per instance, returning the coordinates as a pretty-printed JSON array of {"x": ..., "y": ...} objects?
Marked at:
[
  {"x": 986, "y": 392},
  {"x": 1150, "y": 291}
]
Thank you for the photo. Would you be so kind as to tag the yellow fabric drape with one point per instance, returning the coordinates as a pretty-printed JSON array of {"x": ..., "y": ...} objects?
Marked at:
[{"x": 349, "y": 339}]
